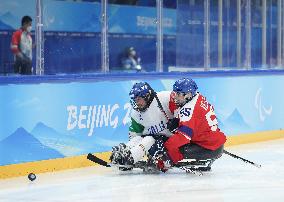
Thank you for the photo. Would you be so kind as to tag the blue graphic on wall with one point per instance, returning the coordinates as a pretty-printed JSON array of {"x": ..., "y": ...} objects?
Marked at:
[
  {"x": 21, "y": 146},
  {"x": 46, "y": 121}
]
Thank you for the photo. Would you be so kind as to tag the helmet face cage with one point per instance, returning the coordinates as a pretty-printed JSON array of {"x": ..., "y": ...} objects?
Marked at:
[
  {"x": 181, "y": 99},
  {"x": 141, "y": 90},
  {"x": 187, "y": 87}
]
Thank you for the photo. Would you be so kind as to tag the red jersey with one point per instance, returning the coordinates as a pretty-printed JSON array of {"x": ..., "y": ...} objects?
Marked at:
[{"x": 199, "y": 124}]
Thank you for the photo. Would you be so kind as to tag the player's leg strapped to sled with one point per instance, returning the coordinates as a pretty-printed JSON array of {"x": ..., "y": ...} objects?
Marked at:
[
  {"x": 189, "y": 155},
  {"x": 194, "y": 157},
  {"x": 126, "y": 155}
]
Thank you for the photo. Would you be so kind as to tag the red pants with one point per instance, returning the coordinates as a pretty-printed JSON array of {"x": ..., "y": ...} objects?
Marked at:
[{"x": 173, "y": 144}]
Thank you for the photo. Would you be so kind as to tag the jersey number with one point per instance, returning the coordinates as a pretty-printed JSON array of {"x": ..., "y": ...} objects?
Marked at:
[{"x": 185, "y": 111}]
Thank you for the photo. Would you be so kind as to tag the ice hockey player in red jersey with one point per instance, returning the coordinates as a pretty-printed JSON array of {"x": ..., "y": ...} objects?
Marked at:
[{"x": 195, "y": 127}]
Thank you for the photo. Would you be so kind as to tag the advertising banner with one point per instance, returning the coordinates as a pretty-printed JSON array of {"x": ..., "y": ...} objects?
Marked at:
[{"x": 52, "y": 120}]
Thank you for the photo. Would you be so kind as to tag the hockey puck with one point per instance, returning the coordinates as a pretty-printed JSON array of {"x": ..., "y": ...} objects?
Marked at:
[{"x": 32, "y": 176}]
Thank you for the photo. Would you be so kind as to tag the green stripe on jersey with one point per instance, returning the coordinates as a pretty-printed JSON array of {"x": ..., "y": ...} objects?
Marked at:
[{"x": 136, "y": 127}]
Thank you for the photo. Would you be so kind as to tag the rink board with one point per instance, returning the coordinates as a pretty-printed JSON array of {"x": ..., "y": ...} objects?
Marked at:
[
  {"x": 61, "y": 118},
  {"x": 52, "y": 165}
]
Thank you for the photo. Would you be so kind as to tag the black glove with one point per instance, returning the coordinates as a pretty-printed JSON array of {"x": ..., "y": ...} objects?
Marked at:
[{"x": 173, "y": 124}]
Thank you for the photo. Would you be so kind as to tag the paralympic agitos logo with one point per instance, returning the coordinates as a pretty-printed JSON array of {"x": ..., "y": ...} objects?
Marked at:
[{"x": 263, "y": 111}]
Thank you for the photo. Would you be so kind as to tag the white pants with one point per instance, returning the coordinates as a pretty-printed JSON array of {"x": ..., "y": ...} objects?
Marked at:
[{"x": 139, "y": 146}]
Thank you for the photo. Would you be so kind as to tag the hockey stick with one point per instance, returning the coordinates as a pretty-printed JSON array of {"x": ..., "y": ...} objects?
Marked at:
[
  {"x": 238, "y": 157},
  {"x": 158, "y": 101},
  {"x": 97, "y": 160},
  {"x": 101, "y": 162}
]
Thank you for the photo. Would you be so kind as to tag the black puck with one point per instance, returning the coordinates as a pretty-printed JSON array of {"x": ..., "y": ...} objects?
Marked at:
[{"x": 32, "y": 176}]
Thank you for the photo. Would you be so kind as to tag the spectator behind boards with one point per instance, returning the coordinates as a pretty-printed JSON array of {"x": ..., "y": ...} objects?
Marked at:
[
  {"x": 21, "y": 46},
  {"x": 131, "y": 61}
]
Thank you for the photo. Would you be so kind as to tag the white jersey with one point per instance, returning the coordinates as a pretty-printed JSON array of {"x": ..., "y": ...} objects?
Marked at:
[{"x": 152, "y": 121}]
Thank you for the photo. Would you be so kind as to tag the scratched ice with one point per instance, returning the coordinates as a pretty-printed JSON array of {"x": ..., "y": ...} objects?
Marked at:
[{"x": 230, "y": 180}]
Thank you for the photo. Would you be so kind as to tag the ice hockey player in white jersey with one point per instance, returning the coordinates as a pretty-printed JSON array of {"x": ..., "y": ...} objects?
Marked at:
[{"x": 148, "y": 123}]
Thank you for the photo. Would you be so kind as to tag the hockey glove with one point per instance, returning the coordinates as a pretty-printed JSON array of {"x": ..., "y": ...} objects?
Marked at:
[
  {"x": 157, "y": 149},
  {"x": 173, "y": 124}
]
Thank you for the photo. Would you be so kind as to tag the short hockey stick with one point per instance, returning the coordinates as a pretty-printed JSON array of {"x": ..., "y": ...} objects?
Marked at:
[
  {"x": 158, "y": 101},
  {"x": 238, "y": 157},
  {"x": 101, "y": 162},
  {"x": 97, "y": 160}
]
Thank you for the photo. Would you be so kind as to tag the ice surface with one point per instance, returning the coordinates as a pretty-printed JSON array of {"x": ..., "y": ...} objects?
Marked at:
[{"x": 230, "y": 180}]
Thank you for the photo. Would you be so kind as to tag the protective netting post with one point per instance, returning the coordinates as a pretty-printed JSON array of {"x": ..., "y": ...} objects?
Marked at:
[
  {"x": 220, "y": 33},
  {"x": 279, "y": 29},
  {"x": 239, "y": 34},
  {"x": 248, "y": 35},
  {"x": 282, "y": 58},
  {"x": 264, "y": 18},
  {"x": 159, "y": 46},
  {"x": 39, "y": 36},
  {"x": 104, "y": 37},
  {"x": 207, "y": 34}
]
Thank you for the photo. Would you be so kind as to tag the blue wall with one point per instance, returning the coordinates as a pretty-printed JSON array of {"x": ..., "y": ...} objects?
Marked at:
[{"x": 47, "y": 117}]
